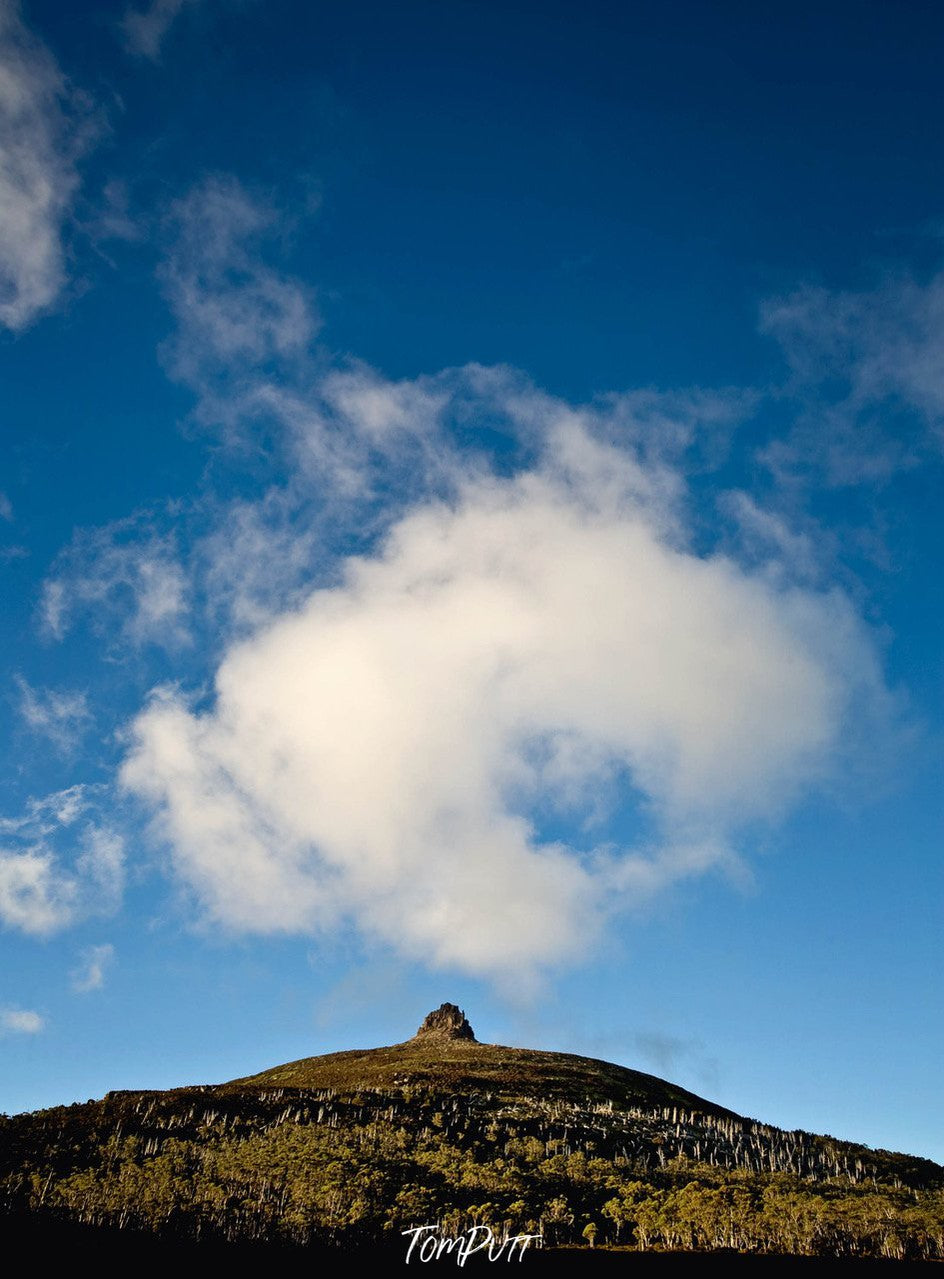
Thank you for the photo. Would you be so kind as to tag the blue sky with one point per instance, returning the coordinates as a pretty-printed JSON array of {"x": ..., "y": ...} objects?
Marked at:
[{"x": 470, "y": 531}]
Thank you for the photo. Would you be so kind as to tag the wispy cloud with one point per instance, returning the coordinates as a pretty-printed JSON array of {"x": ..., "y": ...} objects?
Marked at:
[
  {"x": 866, "y": 367},
  {"x": 59, "y": 863},
  {"x": 21, "y": 1021},
  {"x": 112, "y": 218},
  {"x": 126, "y": 578},
  {"x": 794, "y": 546},
  {"x": 62, "y": 717},
  {"x": 144, "y": 29},
  {"x": 35, "y": 896},
  {"x": 11, "y": 551},
  {"x": 348, "y": 447},
  {"x": 674, "y": 1055},
  {"x": 663, "y": 1051},
  {"x": 43, "y": 131},
  {"x": 89, "y": 974},
  {"x": 232, "y": 311}
]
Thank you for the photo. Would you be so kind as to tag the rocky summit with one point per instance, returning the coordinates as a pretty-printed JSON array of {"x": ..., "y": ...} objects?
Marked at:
[
  {"x": 446, "y": 1022},
  {"x": 445, "y": 1056}
]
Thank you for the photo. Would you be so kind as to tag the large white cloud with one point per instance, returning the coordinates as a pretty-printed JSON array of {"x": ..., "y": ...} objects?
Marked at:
[{"x": 388, "y": 750}]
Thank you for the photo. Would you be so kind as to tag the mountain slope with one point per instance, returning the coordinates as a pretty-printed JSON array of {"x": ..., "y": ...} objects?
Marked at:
[
  {"x": 353, "y": 1148},
  {"x": 461, "y": 1067}
]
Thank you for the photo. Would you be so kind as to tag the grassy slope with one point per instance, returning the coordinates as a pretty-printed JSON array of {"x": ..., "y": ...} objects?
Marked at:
[{"x": 461, "y": 1067}]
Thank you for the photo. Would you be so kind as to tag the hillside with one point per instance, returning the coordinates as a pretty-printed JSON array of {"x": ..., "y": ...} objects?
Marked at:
[
  {"x": 353, "y": 1148},
  {"x": 445, "y": 1056}
]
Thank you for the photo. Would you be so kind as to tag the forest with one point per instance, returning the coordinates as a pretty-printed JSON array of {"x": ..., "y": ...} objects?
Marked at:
[{"x": 314, "y": 1166}]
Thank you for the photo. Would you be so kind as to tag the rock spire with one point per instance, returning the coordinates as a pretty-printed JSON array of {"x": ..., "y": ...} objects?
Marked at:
[{"x": 446, "y": 1022}]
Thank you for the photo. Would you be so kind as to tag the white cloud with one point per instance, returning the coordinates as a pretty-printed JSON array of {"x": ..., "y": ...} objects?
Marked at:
[
  {"x": 61, "y": 717},
  {"x": 59, "y": 863},
  {"x": 43, "y": 816},
  {"x": 528, "y": 649},
  {"x": 381, "y": 751},
  {"x": 256, "y": 557},
  {"x": 89, "y": 975},
  {"x": 350, "y": 449},
  {"x": 144, "y": 29},
  {"x": 101, "y": 867},
  {"x": 232, "y": 311},
  {"x": 379, "y": 409},
  {"x": 795, "y": 549},
  {"x": 112, "y": 219},
  {"x": 126, "y": 578},
  {"x": 35, "y": 896},
  {"x": 868, "y": 366},
  {"x": 39, "y": 146},
  {"x": 21, "y": 1021}
]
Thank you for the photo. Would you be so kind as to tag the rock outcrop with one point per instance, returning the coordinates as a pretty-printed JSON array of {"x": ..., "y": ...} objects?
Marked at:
[{"x": 446, "y": 1022}]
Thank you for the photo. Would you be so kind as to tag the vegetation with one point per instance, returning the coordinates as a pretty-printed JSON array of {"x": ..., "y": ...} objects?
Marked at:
[
  {"x": 584, "y": 1153},
  {"x": 465, "y": 1067}
]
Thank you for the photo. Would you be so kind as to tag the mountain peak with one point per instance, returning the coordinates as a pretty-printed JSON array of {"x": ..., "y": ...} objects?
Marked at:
[{"x": 446, "y": 1022}]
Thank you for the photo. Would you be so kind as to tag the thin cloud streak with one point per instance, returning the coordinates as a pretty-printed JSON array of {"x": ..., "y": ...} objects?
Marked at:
[{"x": 43, "y": 131}]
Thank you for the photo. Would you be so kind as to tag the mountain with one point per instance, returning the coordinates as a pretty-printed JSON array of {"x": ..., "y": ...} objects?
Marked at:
[
  {"x": 444, "y": 1055},
  {"x": 446, "y": 1134}
]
